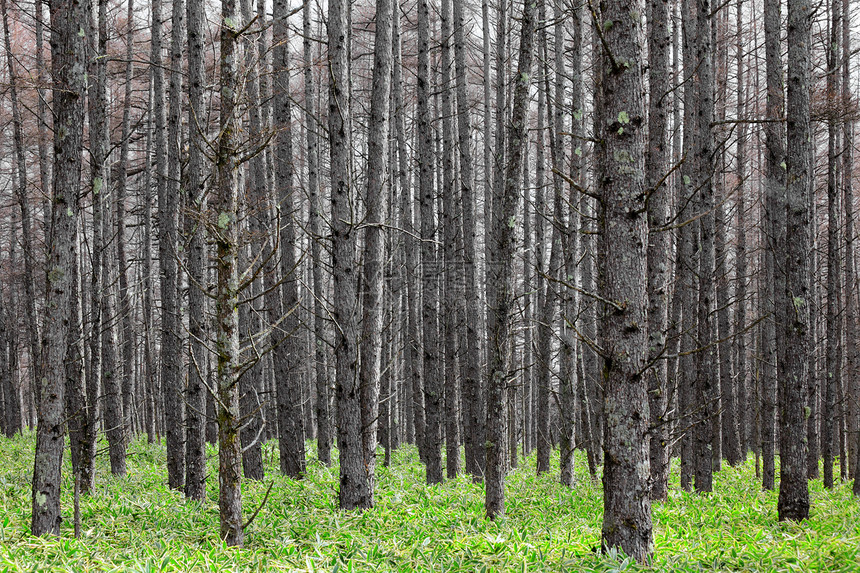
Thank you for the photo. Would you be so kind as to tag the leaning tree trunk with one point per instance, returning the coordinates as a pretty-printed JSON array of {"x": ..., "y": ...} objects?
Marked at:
[
  {"x": 68, "y": 71},
  {"x": 621, "y": 186},
  {"x": 793, "y": 488}
]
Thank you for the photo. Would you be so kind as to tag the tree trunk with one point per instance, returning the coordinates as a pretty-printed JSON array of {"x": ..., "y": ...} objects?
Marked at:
[
  {"x": 469, "y": 341},
  {"x": 354, "y": 490},
  {"x": 500, "y": 291},
  {"x": 656, "y": 168},
  {"x": 624, "y": 241},
  {"x": 774, "y": 187},
  {"x": 374, "y": 245},
  {"x": 196, "y": 393},
  {"x": 320, "y": 350},
  {"x": 166, "y": 164},
  {"x": 793, "y": 488},
  {"x": 68, "y": 72},
  {"x": 225, "y": 233},
  {"x": 429, "y": 265},
  {"x": 125, "y": 300},
  {"x": 741, "y": 246}
]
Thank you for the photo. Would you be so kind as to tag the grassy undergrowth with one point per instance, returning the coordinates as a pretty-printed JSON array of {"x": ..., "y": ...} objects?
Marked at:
[{"x": 136, "y": 523}]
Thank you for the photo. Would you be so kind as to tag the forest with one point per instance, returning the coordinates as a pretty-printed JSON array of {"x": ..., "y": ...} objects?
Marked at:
[{"x": 432, "y": 285}]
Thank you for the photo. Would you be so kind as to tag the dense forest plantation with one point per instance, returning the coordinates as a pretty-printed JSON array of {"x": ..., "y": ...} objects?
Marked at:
[{"x": 429, "y": 285}]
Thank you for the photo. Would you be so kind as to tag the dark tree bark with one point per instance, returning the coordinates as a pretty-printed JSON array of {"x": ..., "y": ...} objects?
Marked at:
[
  {"x": 68, "y": 72},
  {"x": 225, "y": 233},
  {"x": 774, "y": 187},
  {"x": 793, "y": 488},
  {"x": 622, "y": 261},
  {"x": 196, "y": 393},
  {"x": 374, "y": 245},
  {"x": 469, "y": 342},
  {"x": 656, "y": 168},
  {"x": 23, "y": 200},
  {"x": 167, "y": 210},
  {"x": 320, "y": 351},
  {"x": 741, "y": 279},
  {"x": 288, "y": 354},
  {"x": 833, "y": 369},
  {"x": 125, "y": 300},
  {"x": 500, "y": 291},
  {"x": 354, "y": 490},
  {"x": 452, "y": 231},
  {"x": 429, "y": 265},
  {"x": 705, "y": 392},
  {"x": 254, "y": 196}
]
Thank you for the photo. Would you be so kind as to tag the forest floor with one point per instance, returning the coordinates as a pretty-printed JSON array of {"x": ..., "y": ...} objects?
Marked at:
[{"x": 136, "y": 523}]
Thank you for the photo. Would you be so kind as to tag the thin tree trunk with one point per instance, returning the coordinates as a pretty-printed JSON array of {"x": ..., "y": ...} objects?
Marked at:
[
  {"x": 125, "y": 303},
  {"x": 353, "y": 477},
  {"x": 196, "y": 393},
  {"x": 320, "y": 350},
  {"x": 656, "y": 168},
  {"x": 429, "y": 265},
  {"x": 24, "y": 203},
  {"x": 741, "y": 246},
  {"x": 774, "y": 212},
  {"x": 469, "y": 342},
  {"x": 165, "y": 164}
]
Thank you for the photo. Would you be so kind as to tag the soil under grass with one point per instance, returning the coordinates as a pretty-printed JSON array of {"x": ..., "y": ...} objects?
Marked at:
[{"x": 136, "y": 523}]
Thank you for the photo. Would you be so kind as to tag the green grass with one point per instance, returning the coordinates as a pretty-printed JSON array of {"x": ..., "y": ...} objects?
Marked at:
[{"x": 137, "y": 524}]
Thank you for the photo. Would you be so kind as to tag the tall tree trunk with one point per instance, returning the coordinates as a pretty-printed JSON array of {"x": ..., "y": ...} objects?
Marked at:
[
  {"x": 429, "y": 265},
  {"x": 68, "y": 72},
  {"x": 852, "y": 357},
  {"x": 774, "y": 187},
  {"x": 166, "y": 164},
  {"x": 225, "y": 233},
  {"x": 706, "y": 393},
  {"x": 320, "y": 351},
  {"x": 793, "y": 488},
  {"x": 125, "y": 300},
  {"x": 374, "y": 245},
  {"x": 24, "y": 203},
  {"x": 254, "y": 195},
  {"x": 622, "y": 258},
  {"x": 833, "y": 369},
  {"x": 741, "y": 244},
  {"x": 105, "y": 335},
  {"x": 469, "y": 342},
  {"x": 196, "y": 393},
  {"x": 353, "y": 477},
  {"x": 500, "y": 291},
  {"x": 656, "y": 169}
]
